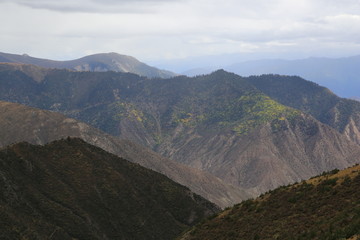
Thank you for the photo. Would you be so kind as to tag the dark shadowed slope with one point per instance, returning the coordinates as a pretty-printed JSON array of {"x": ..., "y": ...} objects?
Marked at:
[
  {"x": 21, "y": 123},
  {"x": 325, "y": 207},
  {"x": 101, "y": 62},
  {"x": 69, "y": 189}
]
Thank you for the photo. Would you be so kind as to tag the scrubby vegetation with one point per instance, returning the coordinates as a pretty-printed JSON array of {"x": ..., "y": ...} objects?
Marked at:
[
  {"x": 324, "y": 207},
  {"x": 69, "y": 189}
]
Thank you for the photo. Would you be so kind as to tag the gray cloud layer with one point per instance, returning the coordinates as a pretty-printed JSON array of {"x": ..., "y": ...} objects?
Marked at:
[
  {"x": 92, "y": 6},
  {"x": 179, "y": 28}
]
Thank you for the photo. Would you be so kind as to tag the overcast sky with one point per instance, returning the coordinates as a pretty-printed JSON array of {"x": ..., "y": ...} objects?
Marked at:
[{"x": 168, "y": 29}]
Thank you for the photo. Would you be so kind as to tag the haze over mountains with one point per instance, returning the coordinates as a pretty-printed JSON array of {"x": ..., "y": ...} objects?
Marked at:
[
  {"x": 220, "y": 123},
  {"x": 340, "y": 75},
  {"x": 101, "y": 62}
]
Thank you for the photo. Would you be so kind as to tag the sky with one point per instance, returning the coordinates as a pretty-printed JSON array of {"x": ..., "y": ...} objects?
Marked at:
[{"x": 152, "y": 30}]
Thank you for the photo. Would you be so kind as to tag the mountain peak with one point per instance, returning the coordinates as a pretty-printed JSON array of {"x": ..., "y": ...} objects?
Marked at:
[{"x": 220, "y": 71}]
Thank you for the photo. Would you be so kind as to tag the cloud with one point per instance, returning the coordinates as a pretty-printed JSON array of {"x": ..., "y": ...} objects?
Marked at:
[
  {"x": 93, "y": 6},
  {"x": 178, "y": 28}
]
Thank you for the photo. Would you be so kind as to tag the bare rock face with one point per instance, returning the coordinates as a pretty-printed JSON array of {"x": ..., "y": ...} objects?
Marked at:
[
  {"x": 272, "y": 155},
  {"x": 352, "y": 131},
  {"x": 21, "y": 123}
]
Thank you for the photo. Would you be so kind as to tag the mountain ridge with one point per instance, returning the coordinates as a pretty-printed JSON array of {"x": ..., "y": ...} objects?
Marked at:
[
  {"x": 70, "y": 189},
  {"x": 22, "y": 123},
  {"x": 339, "y": 113},
  {"x": 97, "y": 62},
  {"x": 338, "y": 74}
]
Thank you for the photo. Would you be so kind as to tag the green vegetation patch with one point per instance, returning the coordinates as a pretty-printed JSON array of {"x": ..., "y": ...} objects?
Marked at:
[
  {"x": 259, "y": 109},
  {"x": 242, "y": 114},
  {"x": 127, "y": 110}
]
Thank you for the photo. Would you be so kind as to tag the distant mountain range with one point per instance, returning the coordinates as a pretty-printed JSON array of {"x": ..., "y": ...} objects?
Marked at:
[
  {"x": 220, "y": 123},
  {"x": 325, "y": 207},
  {"x": 101, "y": 62},
  {"x": 69, "y": 189},
  {"x": 341, "y": 75},
  {"x": 21, "y": 123}
]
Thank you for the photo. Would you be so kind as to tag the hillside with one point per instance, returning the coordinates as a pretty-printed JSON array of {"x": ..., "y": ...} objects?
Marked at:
[
  {"x": 325, "y": 207},
  {"x": 219, "y": 123},
  {"x": 340, "y": 113},
  {"x": 21, "y": 123},
  {"x": 101, "y": 62},
  {"x": 69, "y": 189}
]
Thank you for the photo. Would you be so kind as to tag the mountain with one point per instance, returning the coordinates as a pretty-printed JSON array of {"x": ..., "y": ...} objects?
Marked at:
[
  {"x": 101, "y": 62},
  {"x": 21, "y": 123},
  {"x": 69, "y": 189},
  {"x": 339, "y": 113},
  {"x": 325, "y": 207},
  {"x": 340, "y": 74},
  {"x": 198, "y": 71},
  {"x": 219, "y": 123}
]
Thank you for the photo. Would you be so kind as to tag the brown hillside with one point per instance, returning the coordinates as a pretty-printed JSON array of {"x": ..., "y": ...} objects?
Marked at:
[{"x": 325, "y": 207}]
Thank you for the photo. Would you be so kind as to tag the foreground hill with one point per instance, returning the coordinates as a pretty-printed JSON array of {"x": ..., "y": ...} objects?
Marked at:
[
  {"x": 101, "y": 62},
  {"x": 325, "y": 207},
  {"x": 339, "y": 113},
  {"x": 219, "y": 123},
  {"x": 21, "y": 123},
  {"x": 69, "y": 189}
]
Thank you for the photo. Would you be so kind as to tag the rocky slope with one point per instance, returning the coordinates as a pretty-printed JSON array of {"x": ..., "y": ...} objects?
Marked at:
[
  {"x": 277, "y": 153},
  {"x": 69, "y": 189},
  {"x": 21, "y": 123},
  {"x": 325, "y": 207},
  {"x": 220, "y": 123},
  {"x": 101, "y": 62},
  {"x": 340, "y": 113}
]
